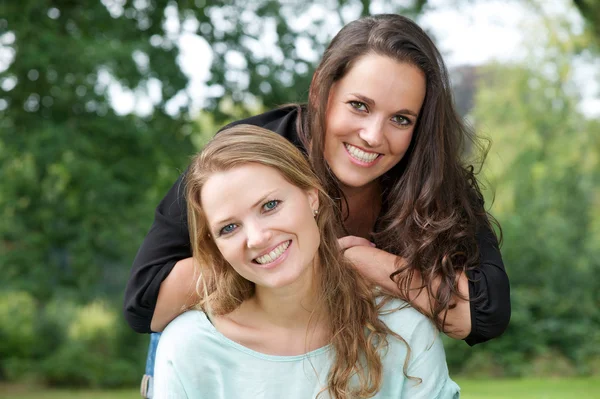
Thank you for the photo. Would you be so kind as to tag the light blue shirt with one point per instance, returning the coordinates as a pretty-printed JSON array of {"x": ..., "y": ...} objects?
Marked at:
[{"x": 194, "y": 360}]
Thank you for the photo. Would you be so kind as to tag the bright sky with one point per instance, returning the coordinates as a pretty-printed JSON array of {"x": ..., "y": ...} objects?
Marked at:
[
  {"x": 482, "y": 31},
  {"x": 477, "y": 32}
]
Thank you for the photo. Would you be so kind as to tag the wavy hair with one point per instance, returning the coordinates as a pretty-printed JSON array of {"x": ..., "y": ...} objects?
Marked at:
[
  {"x": 345, "y": 296},
  {"x": 432, "y": 205}
]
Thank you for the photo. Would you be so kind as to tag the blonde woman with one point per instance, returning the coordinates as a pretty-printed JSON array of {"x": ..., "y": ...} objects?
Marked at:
[{"x": 282, "y": 314}]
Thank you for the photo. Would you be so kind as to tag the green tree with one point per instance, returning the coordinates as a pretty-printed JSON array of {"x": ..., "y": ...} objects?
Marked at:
[
  {"x": 544, "y": 167},
  {"x": 590, "y": 11},
  {"x": 79, "y": 180}
]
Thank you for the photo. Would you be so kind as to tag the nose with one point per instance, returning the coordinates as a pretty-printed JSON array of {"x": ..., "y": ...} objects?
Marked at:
[
  {"x": 257, "y": 235},
  {"x": 372, "y": 133}
]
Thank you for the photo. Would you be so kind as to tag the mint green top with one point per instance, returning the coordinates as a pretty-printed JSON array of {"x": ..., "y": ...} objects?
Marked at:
[{"x": 194, "y": 360}]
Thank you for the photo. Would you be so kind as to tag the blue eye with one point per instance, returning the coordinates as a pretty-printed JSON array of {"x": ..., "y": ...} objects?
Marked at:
[
  {"x": 227, "y": 229},
  {"x": 270, "y": 205}
]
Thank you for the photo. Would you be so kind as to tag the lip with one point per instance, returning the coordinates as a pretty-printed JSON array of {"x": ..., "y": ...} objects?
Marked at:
[
  {"x": 279, "y": 260},
  {"x": 361, "y": 163}
]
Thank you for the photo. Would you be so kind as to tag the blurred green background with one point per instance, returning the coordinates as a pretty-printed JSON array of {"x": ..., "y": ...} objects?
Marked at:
[{"x": 103, "y": 102}]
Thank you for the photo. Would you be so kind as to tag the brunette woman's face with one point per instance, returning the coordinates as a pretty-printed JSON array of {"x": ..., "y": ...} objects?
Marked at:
[
  {"x": 262, "y": 224},
  {"x": 371, "y": 116}
]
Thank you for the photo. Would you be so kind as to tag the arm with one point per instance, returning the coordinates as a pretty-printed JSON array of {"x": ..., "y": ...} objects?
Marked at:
[
  {"x": 165, "y": 245},
  {"x": 489, "y": 290},
  {"x": 177, "y": 293},
  {"x": 377, "y": 265},
  {"x": 487, "y": 313}
]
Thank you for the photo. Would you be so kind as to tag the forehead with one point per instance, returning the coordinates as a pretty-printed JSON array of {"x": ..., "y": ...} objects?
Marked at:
[
  {"x": 383, "y": 78},
  {"x": 239, "y": 188}
]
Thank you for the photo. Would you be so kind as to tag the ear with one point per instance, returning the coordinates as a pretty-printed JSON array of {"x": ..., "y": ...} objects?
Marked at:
[{"x": 313, "y": 198}]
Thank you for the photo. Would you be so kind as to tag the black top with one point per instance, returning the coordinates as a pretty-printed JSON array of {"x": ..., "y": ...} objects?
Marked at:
[{"x": 168, "y": 242}]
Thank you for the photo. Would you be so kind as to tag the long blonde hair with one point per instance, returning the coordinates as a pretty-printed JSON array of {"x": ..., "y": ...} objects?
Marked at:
[{"x": 344, "y": 295}]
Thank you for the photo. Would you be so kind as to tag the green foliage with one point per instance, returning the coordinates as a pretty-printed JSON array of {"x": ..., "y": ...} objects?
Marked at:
[
  {"x": 67, "y": 345},
  {"x": 590, "y": 11},
  {"x": 76, "y": 176},
  {"x": 79, "y": 182},
  {"x": 17, "y": 329},
  {"x": 83, "y": 364},
  {"x": 545, "y": 168}
]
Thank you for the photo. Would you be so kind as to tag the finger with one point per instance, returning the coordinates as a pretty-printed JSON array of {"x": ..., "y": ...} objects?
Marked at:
[{"x": 354, "y": 241}]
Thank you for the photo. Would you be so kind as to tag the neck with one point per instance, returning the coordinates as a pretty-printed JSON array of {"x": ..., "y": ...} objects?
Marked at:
[
  {"x": 368, "y": 193},
  {"x": 291, "y": 306},
  {"x": 363, "y": 207}
]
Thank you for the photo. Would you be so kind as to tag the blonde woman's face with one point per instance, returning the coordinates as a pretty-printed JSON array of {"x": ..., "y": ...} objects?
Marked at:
[
  {"x": 262, "y": 224},
  {"x": 371, "y": 116}
]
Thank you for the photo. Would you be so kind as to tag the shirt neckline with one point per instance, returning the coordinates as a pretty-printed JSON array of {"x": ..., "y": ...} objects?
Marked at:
[{"x": 274, "y": 358}]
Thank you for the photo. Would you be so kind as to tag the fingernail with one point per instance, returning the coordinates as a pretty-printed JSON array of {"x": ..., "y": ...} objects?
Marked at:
[{"x": 373, "y": 244}]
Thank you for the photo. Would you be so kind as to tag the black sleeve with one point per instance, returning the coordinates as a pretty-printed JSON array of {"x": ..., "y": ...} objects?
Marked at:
[
  {"x": 489, "y": 291},
  {"x": 166, "y": 243}
]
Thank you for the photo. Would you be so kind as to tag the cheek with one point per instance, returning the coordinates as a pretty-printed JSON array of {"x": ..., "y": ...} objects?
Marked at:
[
  {"x": 305, "y": 224},
  {"x": 313, "y": 236},
  {"x": 399, "y": 143},
  {"x": 230, "y": 253},
  {"x": 337, "y": 124}
]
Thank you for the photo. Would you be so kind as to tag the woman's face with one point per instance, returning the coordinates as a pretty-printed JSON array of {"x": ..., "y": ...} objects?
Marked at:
[
  {"x": 262, "y": 224},
  {"x": 371, "y": 115}
]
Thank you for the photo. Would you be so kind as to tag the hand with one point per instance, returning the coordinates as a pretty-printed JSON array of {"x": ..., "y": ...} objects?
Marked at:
[
  {"x": 353, "y": 241},
  {"x": 374, "y": 265}
]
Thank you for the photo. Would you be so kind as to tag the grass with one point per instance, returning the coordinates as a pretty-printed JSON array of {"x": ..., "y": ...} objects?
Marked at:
[
  {"x": 580, "y": 388},
  {"x": 21, "y": 392}
]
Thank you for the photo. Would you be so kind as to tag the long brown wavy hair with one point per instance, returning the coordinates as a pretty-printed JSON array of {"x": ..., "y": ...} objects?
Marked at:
[
  {"x": 345, "y": 296},
  {"x": 432, "y": 206}
]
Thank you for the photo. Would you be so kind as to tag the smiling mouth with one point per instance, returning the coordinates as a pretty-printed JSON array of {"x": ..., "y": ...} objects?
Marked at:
[
  {"x": 274, "y": 254},
  {"x": 361, "y": 155}
]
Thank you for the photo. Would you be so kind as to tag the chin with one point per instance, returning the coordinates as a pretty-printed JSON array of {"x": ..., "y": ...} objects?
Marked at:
[
  {"x": 281, "y": 283},
  {"x": 355, "y": 181}
]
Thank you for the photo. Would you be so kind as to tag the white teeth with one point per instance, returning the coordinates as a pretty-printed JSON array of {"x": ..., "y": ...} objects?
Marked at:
[
  {"x": 274, "y": 254},
  {"x": 360, "y": 155}
]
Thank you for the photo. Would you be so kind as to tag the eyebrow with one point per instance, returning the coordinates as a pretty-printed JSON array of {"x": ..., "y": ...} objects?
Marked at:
[
  {"x": 371, "y": 102},
  {"x": 262, "y": 199}
]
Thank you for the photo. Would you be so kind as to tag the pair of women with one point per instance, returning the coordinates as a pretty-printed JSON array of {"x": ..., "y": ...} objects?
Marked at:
[
  {"x": 282, "y": 313},
  {"x": 381, "y": 132}
]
